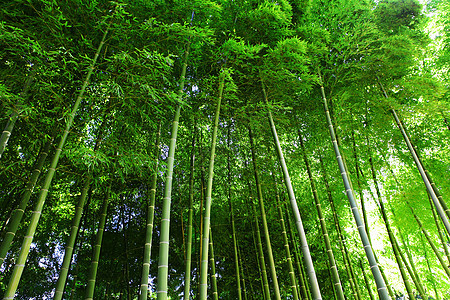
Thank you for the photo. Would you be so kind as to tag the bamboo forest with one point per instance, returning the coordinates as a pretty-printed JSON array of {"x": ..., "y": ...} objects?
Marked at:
[{"x": 225, "y": 149}]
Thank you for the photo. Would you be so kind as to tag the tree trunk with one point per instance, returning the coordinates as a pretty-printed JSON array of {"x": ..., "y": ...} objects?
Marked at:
[
  {"x": 233, "y": 228},
  {"x": 207, "y": 212},
  {"x": 68, "y": 253},
  {"x": 314, "y": 284},
  {"x": 163, "y": 263},
  {"x": 213, "y": 268},
  {"x": 262, "y": 263},
  {"x": 97, "y": 248},
  {"x": 304, "y": 293},
  {"x": 187, "y": 276},
  {"x": 381, "y": 286},
  {"x": 273, "y": 272},
  {"x": 335, "y": 275},
  {"x": 391, "y": 236},
  {"x": 295, "y": 292},
  {"x": 150, "y": 218}
]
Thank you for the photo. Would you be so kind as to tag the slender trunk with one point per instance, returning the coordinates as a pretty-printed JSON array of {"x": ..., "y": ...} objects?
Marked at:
[
  {"x": 345, "y": 256},
  {"x": 233, "y": 228},
  {"x": 264, "y": 220},
  {"x": 17, "y": 214},
  {"x": 89, "y": 294},
  {"x": 381, "y": 286},
  {"x": 258, "y": 245},
  {"x": 295, "y": 292},
  {"x": 64, "y": 272},
  {"x": 366, "y": 280},
  {"x": 391, "y": 236},
  {"x": 314, "y": 284},
  {"x": 207, "y": 213},
  {"x": 15, "y": 114},
  {"x": 163, "y": 263},
  {"x": 302, "y": 286},
  {"x": 150, "y": 218},
  {"x": 261, "y": 253},
  {"x": 435, "y": 250},
  {"x": 213, "y": 267},
  {"x": 187, "y": 276},
  {"x": 24, "y": 250},
  {"x": 244, "y": 289},
  {"x": 361, "y": 195},
  {"x": 125, "y": 253},
  {"x": 335, "y": 275}
]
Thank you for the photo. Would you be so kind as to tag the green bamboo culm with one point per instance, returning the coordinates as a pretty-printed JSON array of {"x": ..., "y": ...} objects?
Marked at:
[
  {"x": 89, "y": 295},
  {"x": 163, "y": 263},
  {"x": 334, "y": 272},
  {"x": 381, "y": 286},
  {"x": 64, "y": 271},
  {"x": 207, "y": 210},
  {"x": 213, "y": 267},
  {"x": 314, "y": 284},
  {"x": 264, "y": 219},
  {"x": 187, "y": 276},
  {"x": 233, "y": 228},
  {"x": 24, "y": 250},
  {"x": 258, "y": 248},
  {"x": 391, "y": 236},
  {"x": 293, "y": 279},
  {"x": 150, "y": 217},
  {"x": 17, "y": 214}
]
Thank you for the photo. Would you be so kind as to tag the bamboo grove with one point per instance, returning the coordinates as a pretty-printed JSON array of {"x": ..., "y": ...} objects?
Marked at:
[{"x": 224, "y": 149}]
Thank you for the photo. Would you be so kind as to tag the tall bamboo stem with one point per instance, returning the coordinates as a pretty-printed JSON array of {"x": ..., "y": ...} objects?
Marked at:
[{"x": 381, "y": 286}]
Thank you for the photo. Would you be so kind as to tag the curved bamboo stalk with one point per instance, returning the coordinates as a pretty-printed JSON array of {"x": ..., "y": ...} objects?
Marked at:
[
  {"x": 143, "y": 289},
  {"x": 207, "y": 211},
  {"x": 314, "y": 284},
  {"x": 381, "y": 286},
  {"x": 20, "y": 263}
]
